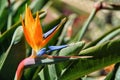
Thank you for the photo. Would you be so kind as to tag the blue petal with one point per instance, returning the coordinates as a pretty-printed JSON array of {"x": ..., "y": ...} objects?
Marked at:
[
  {"x": 52, "y": 48},
  {"x": 41, "y": 52},
  {"x": 49, "y": 32}
]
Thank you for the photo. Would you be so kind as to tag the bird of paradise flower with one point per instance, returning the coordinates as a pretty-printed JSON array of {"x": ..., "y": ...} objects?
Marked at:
[{"x": 37, "y": 40}]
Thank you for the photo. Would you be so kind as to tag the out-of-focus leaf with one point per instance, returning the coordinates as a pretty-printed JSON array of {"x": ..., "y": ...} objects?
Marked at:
[
  {"x": 55, "y": 38},
  {"x": 18, "y": 8},
  {"x": 69, "y": 23},
  {"x": 3, "y": 20},
  {"x": 9, "y": 66},
  {"x": 3, "y": 4},
  {"x": 83, "y": 30},
  {"x": 111, "y": 1},
  {"x": 110, "y": 36},
  {"x": 7, "y": 58},
  {"x": 9, "y": 23},
  {"x": 17, "y": 35},
  {"x": 103, "y": 55},
  {"x": 117, "y": 75},
  {"x": 16, "y": 38},
  {"x": 38, "y": 5},
  {"x": 50, "y": 25},
  {"x": 47, "y": 5},
  {"x": 111, "y": 75},
  {"x": 107, "y": 36}
]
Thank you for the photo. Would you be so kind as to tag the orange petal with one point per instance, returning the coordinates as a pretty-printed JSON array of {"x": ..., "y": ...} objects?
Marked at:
[
  {"x": 26, "y": 33},
  {"x": 38, "y": 35},
  {"x": 28, "y": 17}
]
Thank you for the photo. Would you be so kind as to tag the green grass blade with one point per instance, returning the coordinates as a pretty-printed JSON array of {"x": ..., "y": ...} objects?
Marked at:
[
  {"x": 3, "y": 4},
  {"x": 109, "y": 35},
  {"x": 83, "y": 30}
]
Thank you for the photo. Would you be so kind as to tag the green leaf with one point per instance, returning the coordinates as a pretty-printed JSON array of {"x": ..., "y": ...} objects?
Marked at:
[
  {"x": 38, "y": 5},
  {"x": 68, "y": 24},
  {"x": 29, "y": 73},
  {"x": 44, "y": 75},
  {"x": 51, "y": 68},
  {"x": 36, "y": 76},
  {"x": 3, "y": 4},
  {"x": 3, "y": 19},
  {"x": 72, "y": 49},
  {"x": 117, "y": 75},
  {"x": 110, "y": 36},
  {"x": 107, "y": 36},
  {"x": 16, "y": 37},
  {"x": 52, "y": 72},
  {"x": 8, "y": 57},
  {"x": 9, "y": 23},
  {"x": 103, "y": 55},
  {"x": 18, "y": 8},
  {"x": 111, "y": 75}
]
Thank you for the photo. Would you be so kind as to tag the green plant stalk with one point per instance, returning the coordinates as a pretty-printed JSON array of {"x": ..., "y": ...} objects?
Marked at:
[
  {"x": 87, "y": 23},
  {"x": 82, "y": 32}
]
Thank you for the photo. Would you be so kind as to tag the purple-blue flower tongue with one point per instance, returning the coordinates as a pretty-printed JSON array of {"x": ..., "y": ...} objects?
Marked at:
[
  {"x": 52, "y": 48},
  {"x": 49, "y": 32},
  {"x": 41, "y": 52}
]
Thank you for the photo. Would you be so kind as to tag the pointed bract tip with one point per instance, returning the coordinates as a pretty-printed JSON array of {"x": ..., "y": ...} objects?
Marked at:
[
  {"x": 80, "y": 57},
  {"x": 52, "y": 48},
  {"x": 64, "y": 20}
]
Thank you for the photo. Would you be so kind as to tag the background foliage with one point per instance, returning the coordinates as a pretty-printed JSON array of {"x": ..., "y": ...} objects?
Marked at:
[{"x": 91, "y": 34}]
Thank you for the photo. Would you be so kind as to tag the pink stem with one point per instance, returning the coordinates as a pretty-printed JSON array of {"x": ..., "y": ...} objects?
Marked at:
[
  {"x": 26, "y": 62},
  {"x": 19, "y": 70}
]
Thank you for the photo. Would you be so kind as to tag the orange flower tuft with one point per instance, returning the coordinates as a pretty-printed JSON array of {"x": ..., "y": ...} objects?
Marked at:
[{"x": 33, "y": 31}]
